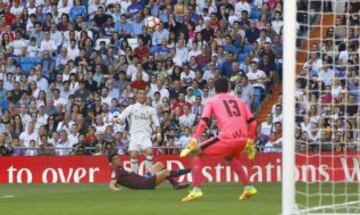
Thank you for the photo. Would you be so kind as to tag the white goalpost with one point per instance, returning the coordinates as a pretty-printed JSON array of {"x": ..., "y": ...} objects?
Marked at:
[
  {"x": 289, "y": 66},
  {"x": 321, "y": 97}
]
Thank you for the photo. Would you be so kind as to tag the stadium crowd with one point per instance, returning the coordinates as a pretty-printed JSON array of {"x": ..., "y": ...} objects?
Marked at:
[
  {"x": 68, "y": 68},
  {"x": 327, "y": 91}
]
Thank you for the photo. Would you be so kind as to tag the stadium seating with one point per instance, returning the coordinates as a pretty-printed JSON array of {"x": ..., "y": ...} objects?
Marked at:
[{"x": 101, "y": 71}]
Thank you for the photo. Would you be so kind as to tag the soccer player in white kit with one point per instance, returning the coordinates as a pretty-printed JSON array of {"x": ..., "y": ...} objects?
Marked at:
[{"x": 141, "y": 118}]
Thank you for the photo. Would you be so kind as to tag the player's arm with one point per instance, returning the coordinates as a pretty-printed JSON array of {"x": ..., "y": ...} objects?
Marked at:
[
  {"x": 204, "y": 120},
  {"x": 124, "y": 114},
  {"x": 251, "y": 121},
  {"x": 156, "y": 123},
  {"x": 278, "y": 143},
  {"x": 252, "y": 124},
  {"x": 158, "y": 134},
  {"x": 113, "y": 185}
]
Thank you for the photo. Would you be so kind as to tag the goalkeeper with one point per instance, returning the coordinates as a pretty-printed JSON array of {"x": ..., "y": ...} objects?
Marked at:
[
  {"x": 159, "y": 174},
  {"x": 237, "y": 127}
]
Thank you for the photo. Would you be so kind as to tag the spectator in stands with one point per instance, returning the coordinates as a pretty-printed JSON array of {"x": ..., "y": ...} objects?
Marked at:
[
  {"x": 338, "y": 141},
  {"x": 18, "y": 127},
  {"x": 32, "y": 148},
  {"x": 188, "y": 118},
  {"x": 227, "y": 69},
  {"x": 2, "y": 91},
  {"x": 180, "y": 104},
  {"x": 273, "y": 144},
  {"x": 197, "y": 108},
  {"x": 47, "y": 44},
  {"x": 18, "y": 44},
  {"x": 247, "y": 93},
  {"x": 141, "y": 51},
  {"x": 77, "y": 10},
  {"x": 120, "y": 143},
  {"x": 257, "y": 79},
  {"x": 171, "y": 147},
  {"x": 184, "y": 138},
  {"x": 76, "y": 63},
  {"x": 252, "y": 34},
  {"x": 27, "y": 136},
  {"x": 277, "y": 116},
  {"x": 51, "y": 125},
  {"x": 46, "y": 148},
  {"x": 190, "y": 97},
  {"x": 159, "y": 88},
  {"x": 160, "y": 35},
  {"x": 32, "y": 49},
  {"x": 38, "y": 34},
  {"x": 264, "y": 130},
  {"x": 63, "y": 147}
]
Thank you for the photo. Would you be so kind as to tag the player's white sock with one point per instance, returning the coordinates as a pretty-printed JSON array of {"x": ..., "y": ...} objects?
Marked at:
[
  {"x": 196, "y": 189},
  {"x": 134, "y": 165},
  {"x": 148, "y": 162}
]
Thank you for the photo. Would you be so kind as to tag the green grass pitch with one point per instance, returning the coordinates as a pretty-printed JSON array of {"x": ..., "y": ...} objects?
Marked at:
[{"x": 97, "y": 199}]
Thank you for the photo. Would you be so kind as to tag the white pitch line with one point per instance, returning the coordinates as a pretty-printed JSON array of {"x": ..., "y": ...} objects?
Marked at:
[{"x": 7, "y": 196}]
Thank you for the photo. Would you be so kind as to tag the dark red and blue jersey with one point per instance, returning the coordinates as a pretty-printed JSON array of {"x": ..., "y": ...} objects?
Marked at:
[{"x": 132, "y": 180}]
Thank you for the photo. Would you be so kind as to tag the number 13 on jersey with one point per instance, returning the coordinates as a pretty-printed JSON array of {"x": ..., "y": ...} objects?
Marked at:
[{"x": 232, "y": 108}]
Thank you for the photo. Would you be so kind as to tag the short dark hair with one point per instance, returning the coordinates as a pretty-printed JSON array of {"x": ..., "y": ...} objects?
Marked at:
[
  {"x": 111, "y": 156},
  {"x": 221, "y": 85}
]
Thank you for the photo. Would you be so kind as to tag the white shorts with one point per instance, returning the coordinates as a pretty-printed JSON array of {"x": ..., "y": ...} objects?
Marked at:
[{"x": 139, "y": 141}]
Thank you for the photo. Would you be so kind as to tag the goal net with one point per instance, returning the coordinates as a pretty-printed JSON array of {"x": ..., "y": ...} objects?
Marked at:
[{"x": 323, "y": 131}]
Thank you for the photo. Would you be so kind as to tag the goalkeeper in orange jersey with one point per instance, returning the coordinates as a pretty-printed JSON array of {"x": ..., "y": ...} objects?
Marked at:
[{"x": 237, "y": 127}]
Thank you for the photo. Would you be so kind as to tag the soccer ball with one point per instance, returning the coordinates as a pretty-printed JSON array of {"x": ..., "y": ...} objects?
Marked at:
[{"x": 152, "y": 22}]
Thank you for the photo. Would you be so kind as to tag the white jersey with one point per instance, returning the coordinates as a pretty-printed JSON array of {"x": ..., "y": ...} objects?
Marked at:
[
  {"x": 266, "y": 128},
  {"x": 140, "y": 118}
]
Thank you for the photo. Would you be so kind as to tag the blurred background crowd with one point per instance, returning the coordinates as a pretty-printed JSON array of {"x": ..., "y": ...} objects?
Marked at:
[
  {"x": 327, "y": 84},
  {"x": 68, "y": 68}
]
